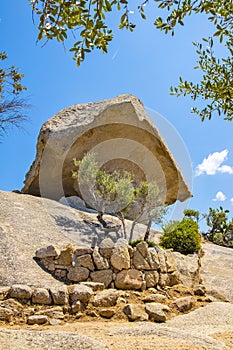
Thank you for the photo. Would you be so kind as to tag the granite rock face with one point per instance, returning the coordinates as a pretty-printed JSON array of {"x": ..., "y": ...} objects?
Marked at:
[{"x": 121, "y": 135}]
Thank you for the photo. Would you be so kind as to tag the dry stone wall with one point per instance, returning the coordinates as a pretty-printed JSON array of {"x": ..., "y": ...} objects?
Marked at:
[{"x": 116, "y": 265}]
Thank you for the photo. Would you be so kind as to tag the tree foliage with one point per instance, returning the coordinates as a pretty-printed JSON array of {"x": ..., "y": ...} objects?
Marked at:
[
  {"x": 192, "y": 214},
  {"x": 87, "y": 21},
  {"x": 116, "y": 193},
  {"x": 11, "y": 106},
  {"x": 182, "y": 236},
  {"x": 221, "y": 229}
]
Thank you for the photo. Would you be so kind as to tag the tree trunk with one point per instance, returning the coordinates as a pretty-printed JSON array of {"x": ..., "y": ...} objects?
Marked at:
[{"x": 146, "y": 237}]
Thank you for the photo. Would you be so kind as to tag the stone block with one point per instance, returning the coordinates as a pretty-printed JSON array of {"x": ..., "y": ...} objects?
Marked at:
[
  {"x": 41, "y": 296},
  {"x": 135, "y": 312},
  {"x": 59, "y": 295},
  {"x": 81, "y": 292},
  {"x": 100, "y": 262},
  {"x": 20, "y": 291},
  {"x": 106, "y": 246},
  {"x": 78, "y": 274},
  {"x": 37, "y": 319},
  {"x": 103, "y": 276},
  {"x": 129, "y": 279},
  {"x": 50, "y": 251},
  {"x": 120, "y": 258},
  {"x": 106, "y": 298}
]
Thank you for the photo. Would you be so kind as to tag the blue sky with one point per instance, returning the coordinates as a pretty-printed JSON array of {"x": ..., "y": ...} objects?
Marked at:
[{"x": 144, "y": 63}]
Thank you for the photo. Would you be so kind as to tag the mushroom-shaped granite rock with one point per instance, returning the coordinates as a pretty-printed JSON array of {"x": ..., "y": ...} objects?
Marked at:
[{"x": 122, "y": 137}]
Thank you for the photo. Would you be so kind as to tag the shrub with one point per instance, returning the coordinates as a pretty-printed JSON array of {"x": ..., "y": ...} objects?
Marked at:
[
  {"x": 182, "y": 236},
  {"x": 134, "y": 243}
]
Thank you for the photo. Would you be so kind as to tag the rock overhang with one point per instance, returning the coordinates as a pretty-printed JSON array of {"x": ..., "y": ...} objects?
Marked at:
[{"x": 120, "y": 134}]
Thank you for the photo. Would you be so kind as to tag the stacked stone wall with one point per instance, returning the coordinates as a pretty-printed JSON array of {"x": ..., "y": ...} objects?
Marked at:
[{"x": 116, "y": 265}]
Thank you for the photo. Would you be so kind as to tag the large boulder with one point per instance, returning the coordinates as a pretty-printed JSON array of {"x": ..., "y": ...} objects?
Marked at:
[{"x": 121, "y": 135}]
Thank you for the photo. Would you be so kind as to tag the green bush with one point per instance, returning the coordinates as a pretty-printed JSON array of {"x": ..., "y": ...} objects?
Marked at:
[
  {"x": 182, "y": 236},
  {"x": 134, "y": 243}
]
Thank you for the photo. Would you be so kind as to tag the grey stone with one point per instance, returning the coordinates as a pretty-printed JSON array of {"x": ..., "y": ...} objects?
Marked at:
[
  {"x": 199, "y": 290},
  {"x": 139, "y": 261},
  {"x": 73, "y": 202},
  {"x": 174, "y": 278},
  {"x": 120, "y": 258},
  {"x": 78, "y": 274},
  {"x": 129, "y": 279},
  {"x": 77, "y": 129},
  {"x": 66, "y": 255},
  {"x": 54, "y": 322},
  {"x": 156, "y": 312},
  {"x": 100, "y": 262},
  {"x": 54, "y": 312},
  {"x": 59, "y": 295},
  {"x": 106, "y": 247},
  {"x": 162, "y": 261},
  {"x": 151, "y": 278},
  {"x": 83, "y": 250},
  {"x": 106, "y": 298},
  {"x": 154, "y": 298},
  {"x": 188, "y": 267},
  {"x": 164, "y": 280},
  {"x": 41, "y": 296},
  {"x": 183, "y": 304},
  {"x": 37, "y": 319},
  {"x": 85, "y": 261},
  {"x": 136, "y": 312},
  {"x": 20, "y": 291},
  {"x": 3, "y": 292},
  {"x": 76, "y": 306},
  {"x": 81, "y": 292},
  {"x": 103, "y": 276},
  {"x": 142, "y": 247},
  {"x": 170, "y": 262},
  {"x": 107, "y": 313},
  {"x": 47, "y": 252},
  {"x": 6, "y": 314},
  {"x": 153, "y": 259},
  {"x": 95, "y": 286}
]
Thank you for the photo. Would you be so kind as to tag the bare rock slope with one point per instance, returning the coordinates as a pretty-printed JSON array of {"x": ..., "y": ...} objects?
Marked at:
[{"x": 28, "y": 223}]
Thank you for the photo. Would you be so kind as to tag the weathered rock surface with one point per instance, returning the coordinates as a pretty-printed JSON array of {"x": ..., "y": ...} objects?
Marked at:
[
  {"x": 41, "y": 296},
  {"x": 5, "y": 314},
  {"x": 76, "y": 130},
  {"x": 20, "y": 291},
  {"x": 156, "y": 311},
  {"x": 28, "y": 223},
  {"x": 106, "y": 247},
  {"x": 136, "y": 312},
  {"x": 216, "y": 270},
  {"x": 78, "y": 274},
  {"x": 103, "y": 276},
  {"x": 52, "y": 340},
  {"x": 106, "y": 298},
  {"x": 37, "y": 319},
  {"x": 59, "y": 295},
  {"x": 100, "y": 262},
  {"x": 81, "y": 292},
  {"x": 129, "y": 279},
  {"x": 120, "y": 258},
  {"x": 183, "y": 304}
]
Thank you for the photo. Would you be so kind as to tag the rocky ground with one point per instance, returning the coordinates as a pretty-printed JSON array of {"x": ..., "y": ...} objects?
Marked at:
[{"x": 28, "y": 223}]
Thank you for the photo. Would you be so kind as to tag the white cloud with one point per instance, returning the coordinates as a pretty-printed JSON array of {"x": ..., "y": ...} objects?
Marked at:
[
  {"x": 220, "y": 197},
  {"x": 213, "y": 164},
  {"x": 231, "y": 200}
]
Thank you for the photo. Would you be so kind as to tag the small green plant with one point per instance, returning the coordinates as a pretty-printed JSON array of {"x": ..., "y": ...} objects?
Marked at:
[
  {"x": 182, "y": 236},
  {"x": 221, "y": 229},
  {"x": 115, "y": 193},
  {"x": 134, "y": 243}
]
